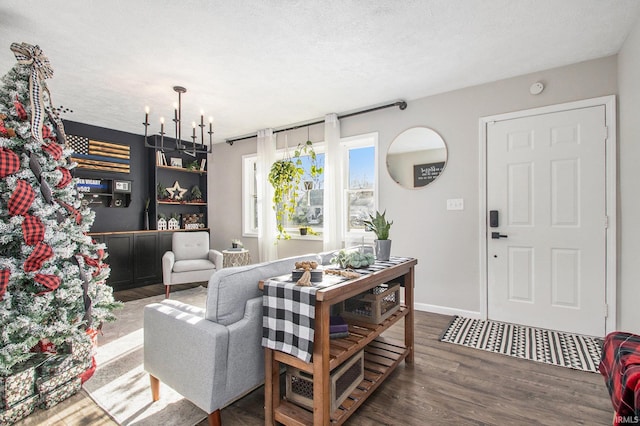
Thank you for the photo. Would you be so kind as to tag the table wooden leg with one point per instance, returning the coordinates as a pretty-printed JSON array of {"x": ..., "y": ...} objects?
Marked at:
[
  {"x": 409, "y": 326},
  {"x": 271, "y": 387},
  {"x": 321, "y": 377}
]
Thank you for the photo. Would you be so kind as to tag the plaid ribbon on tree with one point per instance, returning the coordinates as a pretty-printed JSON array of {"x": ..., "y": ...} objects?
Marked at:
[
  {"x": 32, "y": 230},
  {"x": 72, "y": 210},
  {"x": 9, "y": 162},
  {"x": 40, "y": 254},
  {"x": 81, "y": 260},
  {"x": 4, "y": 282},
  {"x": 66, "y": 177},
  {"x": 20, "y": 111},
  {"x": 21, "y": 198},
  {"x": 47, "y": 134},
  {"x": 51, "y": 282},
  {"x": 27, "y": 54},
  {"x": 53, "y": 149}
]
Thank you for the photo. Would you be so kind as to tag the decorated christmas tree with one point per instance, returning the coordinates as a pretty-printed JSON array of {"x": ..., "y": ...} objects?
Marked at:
[{"x": 53, "y": 295}]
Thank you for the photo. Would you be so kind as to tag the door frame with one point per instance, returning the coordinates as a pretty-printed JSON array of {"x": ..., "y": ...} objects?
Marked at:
[{"x": 609, "y": 102}]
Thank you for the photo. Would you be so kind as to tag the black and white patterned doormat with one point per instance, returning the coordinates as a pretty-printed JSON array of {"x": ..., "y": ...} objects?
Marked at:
[{"x": 536, "y": 344}]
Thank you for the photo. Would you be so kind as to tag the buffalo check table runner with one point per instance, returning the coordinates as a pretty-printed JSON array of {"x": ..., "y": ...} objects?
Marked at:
[
  {"x": 288, "y": 311},
  {"x": 288, "y": 318}
]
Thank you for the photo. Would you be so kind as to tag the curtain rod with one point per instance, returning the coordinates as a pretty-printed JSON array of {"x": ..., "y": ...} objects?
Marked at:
[{"x": 400, "y": 104}]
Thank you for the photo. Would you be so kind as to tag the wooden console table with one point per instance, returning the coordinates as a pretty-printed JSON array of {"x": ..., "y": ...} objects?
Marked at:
[{"x": 382, "y": 355}]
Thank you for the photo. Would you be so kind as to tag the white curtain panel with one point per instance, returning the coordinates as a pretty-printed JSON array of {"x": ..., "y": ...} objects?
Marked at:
[
  {"x": 333, "y": 197},
  {"x": 267, "y": 230}
]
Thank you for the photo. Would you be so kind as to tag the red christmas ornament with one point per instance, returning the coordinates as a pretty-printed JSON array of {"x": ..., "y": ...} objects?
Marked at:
[
  {"x": 66, "y": 177},
  {"x": 22, "y": 114},
  {"x": 21, "y": 199},
  {"x": 9, "y": 162},
  {"x": 4, "y": 282},
  {"x": 40, "y": 254},
  {"x": 32, "y": 230}
]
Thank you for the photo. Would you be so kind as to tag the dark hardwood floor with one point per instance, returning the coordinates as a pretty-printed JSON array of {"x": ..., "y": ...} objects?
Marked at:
[{"x": 447, "y": 385}]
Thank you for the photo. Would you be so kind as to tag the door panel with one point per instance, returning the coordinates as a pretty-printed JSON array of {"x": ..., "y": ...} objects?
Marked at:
[{"x": 546, "y": 176}]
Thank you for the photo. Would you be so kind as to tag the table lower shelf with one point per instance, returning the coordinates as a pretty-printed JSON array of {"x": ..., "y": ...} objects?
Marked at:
[{"x": 381, "y": 357}]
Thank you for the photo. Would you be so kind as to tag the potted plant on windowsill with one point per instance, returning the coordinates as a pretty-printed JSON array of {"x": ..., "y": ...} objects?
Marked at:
[{"x": 380, "y": 226}]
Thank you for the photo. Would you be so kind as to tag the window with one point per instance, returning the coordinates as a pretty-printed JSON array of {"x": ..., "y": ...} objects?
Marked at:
[
  {"x": 359, "y": 183},
  {"x": 310, "y": 200},
  {"x": 249, "y": 196}
]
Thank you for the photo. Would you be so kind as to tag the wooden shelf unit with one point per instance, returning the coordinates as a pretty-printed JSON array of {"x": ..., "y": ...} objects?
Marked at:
[
  {"x": 182, "y": 169},
  {"x": 167, "y": 175},
  {"x": 382, "y": 355}
]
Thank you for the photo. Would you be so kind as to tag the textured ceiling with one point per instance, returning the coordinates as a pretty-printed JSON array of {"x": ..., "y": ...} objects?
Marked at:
[{"x": 254, "y": 64}]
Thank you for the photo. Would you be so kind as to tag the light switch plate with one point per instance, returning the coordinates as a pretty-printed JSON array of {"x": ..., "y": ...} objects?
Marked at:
[{"x": 455, "y": 204}]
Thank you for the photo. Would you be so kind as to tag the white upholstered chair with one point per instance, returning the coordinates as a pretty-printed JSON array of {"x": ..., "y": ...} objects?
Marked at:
[{"x": 190, "y": 260}]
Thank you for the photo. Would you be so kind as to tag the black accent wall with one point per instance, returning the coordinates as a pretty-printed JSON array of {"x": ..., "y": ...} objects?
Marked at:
[{"x": 130, "y": 218}]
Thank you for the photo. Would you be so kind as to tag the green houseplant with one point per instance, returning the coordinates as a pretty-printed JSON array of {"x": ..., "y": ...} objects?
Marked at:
[{"x": 380, "y": 226}]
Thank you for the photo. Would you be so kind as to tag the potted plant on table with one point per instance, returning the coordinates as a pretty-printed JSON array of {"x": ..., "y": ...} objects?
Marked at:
[{"x": 380, "y": 226}]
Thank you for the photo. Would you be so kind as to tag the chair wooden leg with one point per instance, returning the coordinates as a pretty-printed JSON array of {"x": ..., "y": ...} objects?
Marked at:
[
  {"x": 167, "y": 289},
  {"x": 155, "y": 388},
  {"x": 214, "y": 418}
]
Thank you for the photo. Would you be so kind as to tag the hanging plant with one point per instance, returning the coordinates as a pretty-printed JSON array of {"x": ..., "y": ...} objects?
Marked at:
[
  {"x": 306, "y": 149},
  {"x": 285, "y": 177}
]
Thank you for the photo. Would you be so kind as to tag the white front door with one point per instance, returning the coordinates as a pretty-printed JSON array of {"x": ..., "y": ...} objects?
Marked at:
[{"x": 546, "y": 258}]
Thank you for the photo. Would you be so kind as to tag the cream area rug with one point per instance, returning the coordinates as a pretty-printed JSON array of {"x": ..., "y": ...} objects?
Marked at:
[{"x": 121, "y": 386}]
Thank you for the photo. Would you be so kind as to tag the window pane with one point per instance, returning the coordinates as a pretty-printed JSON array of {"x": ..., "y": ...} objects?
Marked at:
[
  {"x": 361, "y": 196},
  {"x": 361, "y": 167},
  {"x": 361, "y": 203}
]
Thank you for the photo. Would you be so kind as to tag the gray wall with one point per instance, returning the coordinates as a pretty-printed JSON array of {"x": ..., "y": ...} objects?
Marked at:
[
  {"x": 629, "y": 175},
  {"x": 446, "y": 243}
]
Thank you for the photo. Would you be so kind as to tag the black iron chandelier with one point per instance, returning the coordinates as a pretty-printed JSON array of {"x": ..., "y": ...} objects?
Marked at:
[{"x": 177, "y": 144}]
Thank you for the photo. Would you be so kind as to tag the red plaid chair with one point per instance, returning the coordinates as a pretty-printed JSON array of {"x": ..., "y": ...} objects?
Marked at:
[{"x": 620, "y": 366}]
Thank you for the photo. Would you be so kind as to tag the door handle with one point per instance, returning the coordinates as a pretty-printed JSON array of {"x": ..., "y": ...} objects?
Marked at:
[{"x": 497, "y": 235}]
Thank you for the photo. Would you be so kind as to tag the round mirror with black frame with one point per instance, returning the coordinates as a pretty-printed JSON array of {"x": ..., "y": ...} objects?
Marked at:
[{"x": 416, "y": 157}]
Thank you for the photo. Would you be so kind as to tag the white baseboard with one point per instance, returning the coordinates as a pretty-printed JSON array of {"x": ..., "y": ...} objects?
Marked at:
[{"x": 444, "y": 310}]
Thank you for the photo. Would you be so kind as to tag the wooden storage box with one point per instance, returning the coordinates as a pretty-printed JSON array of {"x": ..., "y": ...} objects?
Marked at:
[
  {"x": 344, "y": 380},
  {"x": 373, "y": 306}
]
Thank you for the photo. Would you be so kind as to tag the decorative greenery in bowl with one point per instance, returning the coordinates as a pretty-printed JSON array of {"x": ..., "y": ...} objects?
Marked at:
[{"x": 353, "y": 259}]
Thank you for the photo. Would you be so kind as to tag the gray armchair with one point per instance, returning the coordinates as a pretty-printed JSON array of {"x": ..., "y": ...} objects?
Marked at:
[
  {"x": 212, "y": 356},
  {"x": 190, "y": 260}
]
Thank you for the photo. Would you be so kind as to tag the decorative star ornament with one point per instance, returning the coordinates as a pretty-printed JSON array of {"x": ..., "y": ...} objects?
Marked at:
[{"x": 176, "y": 192}]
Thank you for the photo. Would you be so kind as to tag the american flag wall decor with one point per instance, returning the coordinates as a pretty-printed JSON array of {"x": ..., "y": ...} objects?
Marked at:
[{"x": 98, "y": 155}]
